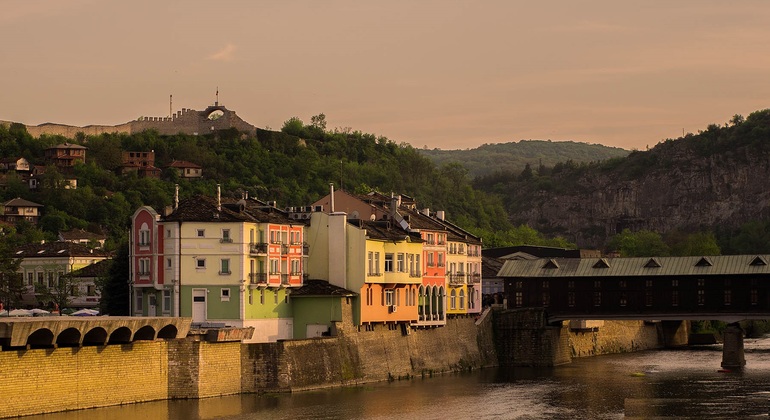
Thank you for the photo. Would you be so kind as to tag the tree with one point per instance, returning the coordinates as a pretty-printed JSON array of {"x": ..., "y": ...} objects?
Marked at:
[
  {"x": 294, "y": 126},
  {"x": 114, "y": 289},
  {"x": 694, "y": 244},
  {"x": 318, "y": 121},
  {"x": 61, "y": 293},
  {"x": 11, "y": 282},
  {"x": 644, "y": 243}
]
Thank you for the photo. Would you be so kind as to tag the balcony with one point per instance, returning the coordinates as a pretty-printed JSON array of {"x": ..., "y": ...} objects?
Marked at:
[
  {"x": 305, "y": 249},
  {"x": 284, "y": 248},
  {"x": 457, "y": 278},
  {"x": 285, "y": 280},
  {"x": 258, "y": 248},
  {"x": 258, "y": 278},
  {"x": 226, "y": 240},
  {"x": 474, "y": 278},
  {"x": 415, "y": 273}
]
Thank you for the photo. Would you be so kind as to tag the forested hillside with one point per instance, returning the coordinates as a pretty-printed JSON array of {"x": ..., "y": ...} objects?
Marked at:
[
  {"x": 515, "y": 156},
  {"x": 712, "y": 182},
  {"x": 293, "y": 167}
]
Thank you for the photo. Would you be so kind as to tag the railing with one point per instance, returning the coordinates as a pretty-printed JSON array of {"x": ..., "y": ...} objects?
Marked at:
[
  {"x": 284, "y": 248},
  {"x": 285, "y": 279},
  {"x": 374, "y": 274},
  {"x": 226, "y": 240},
  {"x": 258, "y": 248},
  {"x": 474, "y": 278},
  {"x": 257, "y": 278},
  {"x": 457, "y": 278},
  {"x": 473, "y": 253},
  {"x": 305, "y": 249},
  {"x": 415, "y": 273}
]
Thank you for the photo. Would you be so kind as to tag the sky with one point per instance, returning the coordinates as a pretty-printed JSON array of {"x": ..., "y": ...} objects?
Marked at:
[{"x": 437, "y": 74}]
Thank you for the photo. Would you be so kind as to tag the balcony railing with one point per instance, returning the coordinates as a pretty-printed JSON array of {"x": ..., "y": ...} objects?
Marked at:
[
  {"x": 226, "y": 240},
  {"x": 305, "y": 249},
  {"x": 284, "y": 248},
  {"x": 474, "y": 278},
  {"x": 285, "y": 280},
  {"x": 457, "y": 278},
  {"x": 258, "y": 248},
  {"x": 415, "y": 273},
  {"x": 258, "y": 278}
]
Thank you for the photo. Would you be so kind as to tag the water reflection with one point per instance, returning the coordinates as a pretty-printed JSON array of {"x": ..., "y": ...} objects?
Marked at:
[{"x": 670, "y": 383}]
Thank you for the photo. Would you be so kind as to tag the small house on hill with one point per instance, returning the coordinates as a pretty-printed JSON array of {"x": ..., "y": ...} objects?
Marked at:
[
  {"x": 20, "y": 209},
  {"x": 186, "y": 169}
]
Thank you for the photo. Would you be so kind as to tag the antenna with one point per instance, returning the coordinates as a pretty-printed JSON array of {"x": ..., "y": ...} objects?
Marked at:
[
  {"x": 217, "y": 101},
  {"x": 341, "y": 174},
  {"x": 170, "y": 107}
]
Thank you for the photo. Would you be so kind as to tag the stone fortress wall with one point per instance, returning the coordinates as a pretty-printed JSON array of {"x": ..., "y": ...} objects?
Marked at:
[{"x": 186, "y": 121}]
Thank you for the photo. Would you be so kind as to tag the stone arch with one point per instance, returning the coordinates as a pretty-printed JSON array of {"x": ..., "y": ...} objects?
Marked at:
[
  {"x": 169, "y": 331},
  {"x": 145, "y": 333},
  {"x": 121, "y": 335},
  {"x": 41, "y": 338},
  {"x": 70, "y": 337},
  {"x": 95, "y": 337}
]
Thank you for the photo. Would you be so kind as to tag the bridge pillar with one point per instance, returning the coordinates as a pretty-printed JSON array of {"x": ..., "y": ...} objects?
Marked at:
[{"x": 732, "y": 348}]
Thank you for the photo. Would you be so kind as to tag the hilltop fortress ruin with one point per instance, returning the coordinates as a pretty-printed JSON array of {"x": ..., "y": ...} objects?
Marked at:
[{"x": 186, "y": 121}]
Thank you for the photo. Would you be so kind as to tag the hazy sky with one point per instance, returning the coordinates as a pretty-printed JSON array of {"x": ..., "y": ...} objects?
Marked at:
[{"x": 446, "y": 74}]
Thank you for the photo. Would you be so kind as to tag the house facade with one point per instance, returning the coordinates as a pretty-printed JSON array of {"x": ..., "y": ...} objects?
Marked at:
[
  {"x": 18, "y": 209},
  {"x": 44, "y": 266},
  {"x": 186, "y": 169},
  {"x": 65, "y": 156},
  {"x": 230, "y": 263}
]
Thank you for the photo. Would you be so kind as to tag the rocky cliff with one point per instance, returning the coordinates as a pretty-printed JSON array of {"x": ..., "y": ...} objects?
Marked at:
[{"x": 717, "y": 178}]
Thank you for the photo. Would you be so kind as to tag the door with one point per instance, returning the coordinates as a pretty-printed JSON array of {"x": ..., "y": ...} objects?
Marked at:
[
  {"x": 152, "y": 305},
  {"x": 199, "y": 305}
]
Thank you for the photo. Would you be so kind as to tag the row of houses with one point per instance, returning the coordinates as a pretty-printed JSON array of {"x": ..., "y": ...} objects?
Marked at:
[{"x": 295, "y": 272}]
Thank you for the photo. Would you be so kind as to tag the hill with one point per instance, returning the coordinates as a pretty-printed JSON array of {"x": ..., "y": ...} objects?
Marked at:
[
  {"x": 514, "y": 156},
  {"x": 715, "y": 180}
]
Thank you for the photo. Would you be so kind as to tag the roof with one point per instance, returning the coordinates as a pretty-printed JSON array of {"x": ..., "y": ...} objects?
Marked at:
[
  {"x": 537, "y": 251},
  {"x": 203, "y": 208},
  {"x": 67, "y": 146},
  {"x": 97, "y": 269},
  {"x": 490, "y": 266},
  {"x": 637, "y": 267},
  {"x": 384, "y": 230},
  {"x": 57, "y": 249},
  {"x": 315, "y": 288},
  {"x": 20, "y": 202},
  {"x": 420, "y": 221},
  {"x": 182, "y": 164},
  {"x": 75, "y": 234}
]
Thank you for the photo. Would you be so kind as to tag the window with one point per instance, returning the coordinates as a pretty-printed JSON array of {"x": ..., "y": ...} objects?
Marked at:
[
  {"x": 30, "y": 278},
  {"x": 623, "y": 299},
  {"x": 168, "y": 233},
  {"x": 571, "y": 284},
  {"x": 262, "y": 296},
  {"x": 389, "y": 297},
  {"x": 754, "y": 297},
  {"x": 701, "y": 297},
  {"x": 571, "y": 299},
  {"x": 597, "y": 298},
  {"x": 144, "y": 266},
  {"x": 91, "y": 290},
  {"x": 40, "y": 278},
  {"x": 430, "y": 259},
  {"x": 144, "y": 236},
  {"x": 168, "y": 263},
  {"x": 440, "y": 259},
  {"x": 453, "y": 299},
  {"x": 648, "y": 298},
  {"x": 545, "y": 284},
  {"x": 546, "y": 299},
  {"x": 674, "y": 283},
  {"x": 200, "y": 263},
  {"x": 674, "y": 298},
  {"x": 701, "y": 282},
  {"x": 225, "y": 266},
  {"x": 377, "y": 263},
  {"x": 400, "y": 263},
  {"x": 429, "y": 238},
  {"x": 201, "y": 233},
  {"x": 462, "y": 299},
  {"x": 226, "y": 235},
  {"x": 167, "y": 301},
  {"x": 370, "y": 261},
  {"x": 519, "y": 299},
  {"x": 274, "y": 267},
  {"x": 275, "y": 297},
  {"x": 138, "y": 303},
  {"x": 224, "y": 294},
  {"x": 388, "y": 263},
  {"x": 597, "y": 284},
  {"x": 648, "y": 283},
  {"x": 728, "y": 297}
]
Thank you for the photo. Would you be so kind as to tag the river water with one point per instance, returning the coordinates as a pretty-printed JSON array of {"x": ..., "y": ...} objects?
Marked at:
[{"x": 683, "y": 383}]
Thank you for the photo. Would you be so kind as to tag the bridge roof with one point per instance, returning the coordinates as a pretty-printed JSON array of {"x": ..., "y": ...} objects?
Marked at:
[{"x": 637, "y": 267}]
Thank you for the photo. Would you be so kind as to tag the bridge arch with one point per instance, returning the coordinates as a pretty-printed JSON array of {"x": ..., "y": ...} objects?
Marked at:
[
  {"x": 121, "y": 335},
  {"x": 95, "y": 337},
  {"x": 145, "y": 333},
  {"x": 70, "y": 337},
  {"x": 169, "y": 331},
  {"x": 42, "y": 337}
]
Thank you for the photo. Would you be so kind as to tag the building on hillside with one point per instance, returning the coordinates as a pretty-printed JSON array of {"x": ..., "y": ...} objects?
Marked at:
[
  {"x": 42, "y": 178},
  {"x": 87, "y": 293},
  {"x": 377, "y": 260},
  {"x": 141, "y": 163},
  {"x": 221, "y": 262},
  {"x": 65, "y": 156},
  {"x": 44, "y": 265},
  {"x": 19, "y": 209},
  {"x": 186, "y": 169},
  {"x": 80, "y": 236},
  {"x": 18, "y": 164}
]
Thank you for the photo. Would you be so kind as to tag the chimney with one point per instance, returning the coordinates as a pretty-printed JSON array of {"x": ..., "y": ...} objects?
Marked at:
[
  {"x": 176, "y": 196},
  {"x": 331, "y": 197},
  {"x": 440, "y": 215},
  {"x": 426, "y": 211},
  {"x": 219, "y": 198}
]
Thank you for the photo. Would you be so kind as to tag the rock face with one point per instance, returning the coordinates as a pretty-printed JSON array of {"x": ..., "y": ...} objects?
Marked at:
[{"x": 676, "y": 185}]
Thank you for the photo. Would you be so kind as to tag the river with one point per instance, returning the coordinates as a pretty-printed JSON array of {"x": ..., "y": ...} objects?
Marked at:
[{"x": 683, "y": 383}]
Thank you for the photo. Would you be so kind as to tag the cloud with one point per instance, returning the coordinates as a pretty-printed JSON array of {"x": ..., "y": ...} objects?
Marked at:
[{"x": 225, "y": 54}]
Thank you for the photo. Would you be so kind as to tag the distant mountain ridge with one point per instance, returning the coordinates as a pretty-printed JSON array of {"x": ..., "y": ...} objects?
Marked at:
[
  {"x": 714, "y": 180},
  {"x": 514, "y": 156}
]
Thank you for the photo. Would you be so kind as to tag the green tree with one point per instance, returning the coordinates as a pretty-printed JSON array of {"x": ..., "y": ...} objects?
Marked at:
[
  {"x": 643, "y": 243},
  {"x": 11, "y": 282},
  {"x": 693, "y": 244},
  {"x": 61, "y": 293},
  {"x": 114, "y": 289}
]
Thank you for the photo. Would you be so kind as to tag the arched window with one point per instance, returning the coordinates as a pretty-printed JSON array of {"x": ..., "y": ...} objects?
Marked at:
[
  {"x": 462, "y": 298},
  {"x": 453, "y": 299}
]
